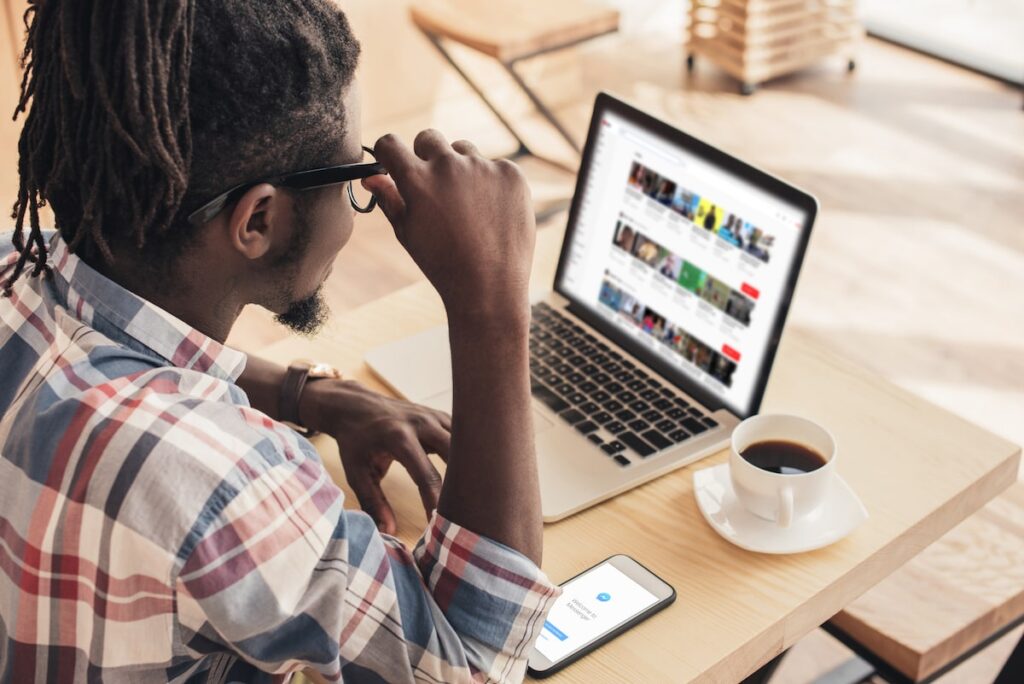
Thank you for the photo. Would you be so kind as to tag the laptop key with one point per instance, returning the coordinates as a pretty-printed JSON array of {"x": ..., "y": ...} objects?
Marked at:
[
  {"x": 663, "y": 404},
  {"x": 679, "y": 435},
  {"x": 601, "y": 378},
  {"x": 677, "y": 414},
  {"x": 578, "y": 398},
  {"x": 565, "y": 389},
  {"x": 710, "y": 422},
  {"x": 659, "y": 440},
  {"x": 572, "y": 416},
  {"x": 612, "y": 448},
  {"x": 613, "y": 387},
  {"x": 667, "y": 392},
  {"x": 639, "y": 425},
  {"x": 628, "y": 364},
  {"x": 639, "y": 406},
  {"x": 615, "y": 427},
  {"x": 588, "y": 387},
  {"x": 590, "y": 370},
  {"x": 611, "y": 367},
  {"x": 575, "y": 378},
  {"x": 590, "y": 408},
  {"x": 666, "y": 426},
  {"x": 563, "y": 369},
  {"x": 600, "y": 396},
  {"x": 624, "y": 376},
  {"x": 626, "y": 397},
  {"x": 635, "y": 443},
  {"x": 613, "y": 406},
  {"x": 602, "y": 417},
  {"x": 548, "y": 398},
  {"x": 622, "y": 460},
  {"x": 625, "y": 416},
  {"x": 694, "y": 426},
  {"x": 652, "y": 416},
  {"x": 636, "y": 385},
  {"x": 650, "y": 394},
  {"x": 681, "y": 402},
  {"x": 654, "y": 382},
  {"x": 596, "y": 439},
  {"x": 696, "y": 412}
]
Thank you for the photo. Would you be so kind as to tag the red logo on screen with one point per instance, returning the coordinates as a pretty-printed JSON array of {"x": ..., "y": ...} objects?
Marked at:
[
  {"x": 750, "y": 290},
  {"x": 730, "y": 352}
]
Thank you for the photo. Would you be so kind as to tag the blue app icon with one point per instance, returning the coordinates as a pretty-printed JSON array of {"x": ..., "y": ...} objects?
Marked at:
[{"x": 604, "y": 596}]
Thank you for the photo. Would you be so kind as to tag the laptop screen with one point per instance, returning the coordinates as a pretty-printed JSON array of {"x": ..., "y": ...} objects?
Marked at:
[{"x": 686, "y": 256}]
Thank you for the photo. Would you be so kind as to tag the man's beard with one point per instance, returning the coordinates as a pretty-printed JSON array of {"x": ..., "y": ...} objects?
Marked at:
[{"x": 306, "y": 316}]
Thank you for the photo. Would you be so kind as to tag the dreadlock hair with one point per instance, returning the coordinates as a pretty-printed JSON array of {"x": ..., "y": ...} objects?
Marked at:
[{"x": 141, "y": 110}]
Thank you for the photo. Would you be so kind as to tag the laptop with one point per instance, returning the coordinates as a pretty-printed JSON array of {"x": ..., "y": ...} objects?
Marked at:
[{"x": 676, "y": 273}]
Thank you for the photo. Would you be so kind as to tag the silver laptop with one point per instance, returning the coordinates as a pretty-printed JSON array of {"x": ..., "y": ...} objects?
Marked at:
[{"x": 676, "y": 274}]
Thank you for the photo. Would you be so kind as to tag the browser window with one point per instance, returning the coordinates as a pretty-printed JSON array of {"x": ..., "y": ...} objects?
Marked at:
[{"x": 688, "y": 258}]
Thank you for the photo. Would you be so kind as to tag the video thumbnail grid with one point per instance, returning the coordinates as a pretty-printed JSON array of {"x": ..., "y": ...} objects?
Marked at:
[
  {"x": 690, "y": 277},
  {"x": 673, "y": 336},
  {"x": 702, "y": 212}
]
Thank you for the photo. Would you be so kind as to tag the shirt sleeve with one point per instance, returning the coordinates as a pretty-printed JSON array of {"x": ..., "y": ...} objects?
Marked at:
[{"x": 286, "y": 579}]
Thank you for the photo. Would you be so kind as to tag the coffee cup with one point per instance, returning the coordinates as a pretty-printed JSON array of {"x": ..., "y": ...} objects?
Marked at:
[{"x": 781, "y": 466}]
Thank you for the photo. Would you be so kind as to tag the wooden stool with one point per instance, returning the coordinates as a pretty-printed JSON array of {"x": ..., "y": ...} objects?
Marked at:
[
  {"x": 956, "y": 597},
  {"x": 511, "y": 32}
]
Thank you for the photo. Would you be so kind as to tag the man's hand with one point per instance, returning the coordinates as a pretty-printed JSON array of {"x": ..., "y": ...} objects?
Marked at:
[
  {"x": 372, "y": 432},
  {"x": 468, "y": 223}
]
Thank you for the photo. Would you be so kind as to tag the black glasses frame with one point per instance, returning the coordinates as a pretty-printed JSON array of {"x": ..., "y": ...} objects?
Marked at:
[{"x": 300, "y": 180}]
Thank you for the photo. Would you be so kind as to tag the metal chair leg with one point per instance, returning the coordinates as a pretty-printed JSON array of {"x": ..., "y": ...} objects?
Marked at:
[
  {"x": 523, "y": 148},
  {"x": 541, "y": 107},
  {"x": 438, "y": 43},
  {"x": 1013, "y": 669}
]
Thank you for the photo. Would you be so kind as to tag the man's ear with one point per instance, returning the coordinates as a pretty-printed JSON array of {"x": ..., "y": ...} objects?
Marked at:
[{"x": 255, "y": 224}]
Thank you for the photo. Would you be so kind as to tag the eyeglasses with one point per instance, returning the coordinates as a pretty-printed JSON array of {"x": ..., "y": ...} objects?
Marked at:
[{"x": 300, "y": 180}]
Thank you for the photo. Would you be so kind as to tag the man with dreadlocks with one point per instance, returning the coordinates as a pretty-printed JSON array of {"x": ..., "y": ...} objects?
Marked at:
[{"x": 157, "y": 520}]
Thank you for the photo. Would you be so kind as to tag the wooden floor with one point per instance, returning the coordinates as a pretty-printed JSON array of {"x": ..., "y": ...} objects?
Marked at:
[{"x": 916, "y": 268}]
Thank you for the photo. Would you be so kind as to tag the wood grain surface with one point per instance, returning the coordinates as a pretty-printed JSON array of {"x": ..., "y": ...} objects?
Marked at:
[{"x": 919, "y": 470}]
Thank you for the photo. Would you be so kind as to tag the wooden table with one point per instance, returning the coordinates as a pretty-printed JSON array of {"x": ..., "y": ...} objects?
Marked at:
[{"x": 919, "y": 470}]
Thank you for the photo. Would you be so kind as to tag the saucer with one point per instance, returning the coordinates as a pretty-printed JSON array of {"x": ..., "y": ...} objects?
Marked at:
[{"x": 717, "y": 501}]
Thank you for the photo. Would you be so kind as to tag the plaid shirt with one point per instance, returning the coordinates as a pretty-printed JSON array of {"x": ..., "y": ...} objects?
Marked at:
[{"x": 155, "y": 527}]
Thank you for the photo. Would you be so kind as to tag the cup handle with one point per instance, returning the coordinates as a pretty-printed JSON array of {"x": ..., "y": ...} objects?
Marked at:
[{"x": 785, "y": 506}]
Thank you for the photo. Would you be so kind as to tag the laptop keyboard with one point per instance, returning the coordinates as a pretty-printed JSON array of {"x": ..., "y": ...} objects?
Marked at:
[{"x": 620, "y": 408}]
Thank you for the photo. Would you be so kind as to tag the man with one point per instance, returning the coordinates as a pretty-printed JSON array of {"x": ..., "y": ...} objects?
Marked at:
[{"x": 156, "y": 522}]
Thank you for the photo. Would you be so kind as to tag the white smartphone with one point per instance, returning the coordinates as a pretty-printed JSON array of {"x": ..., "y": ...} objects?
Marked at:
[{"x": 596, "y": 606}]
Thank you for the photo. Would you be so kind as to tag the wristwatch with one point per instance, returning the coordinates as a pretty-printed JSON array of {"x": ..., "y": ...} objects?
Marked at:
[{"x": 299, "y": 373}]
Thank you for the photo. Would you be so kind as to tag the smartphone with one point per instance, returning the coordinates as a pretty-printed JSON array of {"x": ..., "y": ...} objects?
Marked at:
[{"x": 596, "y": 606}]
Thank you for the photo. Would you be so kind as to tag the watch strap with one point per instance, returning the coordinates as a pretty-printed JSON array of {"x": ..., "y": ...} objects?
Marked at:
[{"x": 291, "y": 390}]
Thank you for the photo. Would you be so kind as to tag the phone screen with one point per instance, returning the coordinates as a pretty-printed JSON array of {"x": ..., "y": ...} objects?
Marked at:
[{"x": 592, "y": 604}]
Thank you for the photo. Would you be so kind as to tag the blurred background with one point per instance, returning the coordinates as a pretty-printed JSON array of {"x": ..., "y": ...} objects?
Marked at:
[{"x": 911, "y": 137}]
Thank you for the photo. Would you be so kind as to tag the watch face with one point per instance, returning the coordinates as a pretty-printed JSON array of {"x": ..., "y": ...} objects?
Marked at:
[{"x": 323, "y": 370}]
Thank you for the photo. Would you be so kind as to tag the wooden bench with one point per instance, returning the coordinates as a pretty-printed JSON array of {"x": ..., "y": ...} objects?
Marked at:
[
  {"x": 511, "y": 32},
  {"x": 952, "y": 600}
]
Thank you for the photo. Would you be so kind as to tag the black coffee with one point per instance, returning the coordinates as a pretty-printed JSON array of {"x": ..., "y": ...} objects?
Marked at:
[{"x": 785, "y": 458}]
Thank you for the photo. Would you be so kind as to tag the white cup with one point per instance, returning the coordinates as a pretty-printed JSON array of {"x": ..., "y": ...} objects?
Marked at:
[{"x": 774, "y": 496}]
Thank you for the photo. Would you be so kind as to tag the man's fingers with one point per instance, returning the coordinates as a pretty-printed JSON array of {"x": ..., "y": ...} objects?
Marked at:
[
  {"x": 412, "y": 455},
  {"x": 465, "y": 147},
  {"x": 430, "y": 144},
  {"x": 444, "y": 419},
  {"x": 436, "y": 439},
  {"x": 373, "y": 502},
  {"x": 388, "y": 197},
  {"x": 396, "y": 157}
]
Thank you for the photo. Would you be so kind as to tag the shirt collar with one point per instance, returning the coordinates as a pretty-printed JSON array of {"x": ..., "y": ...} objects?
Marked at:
[{"x": 128, "y": 319}]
